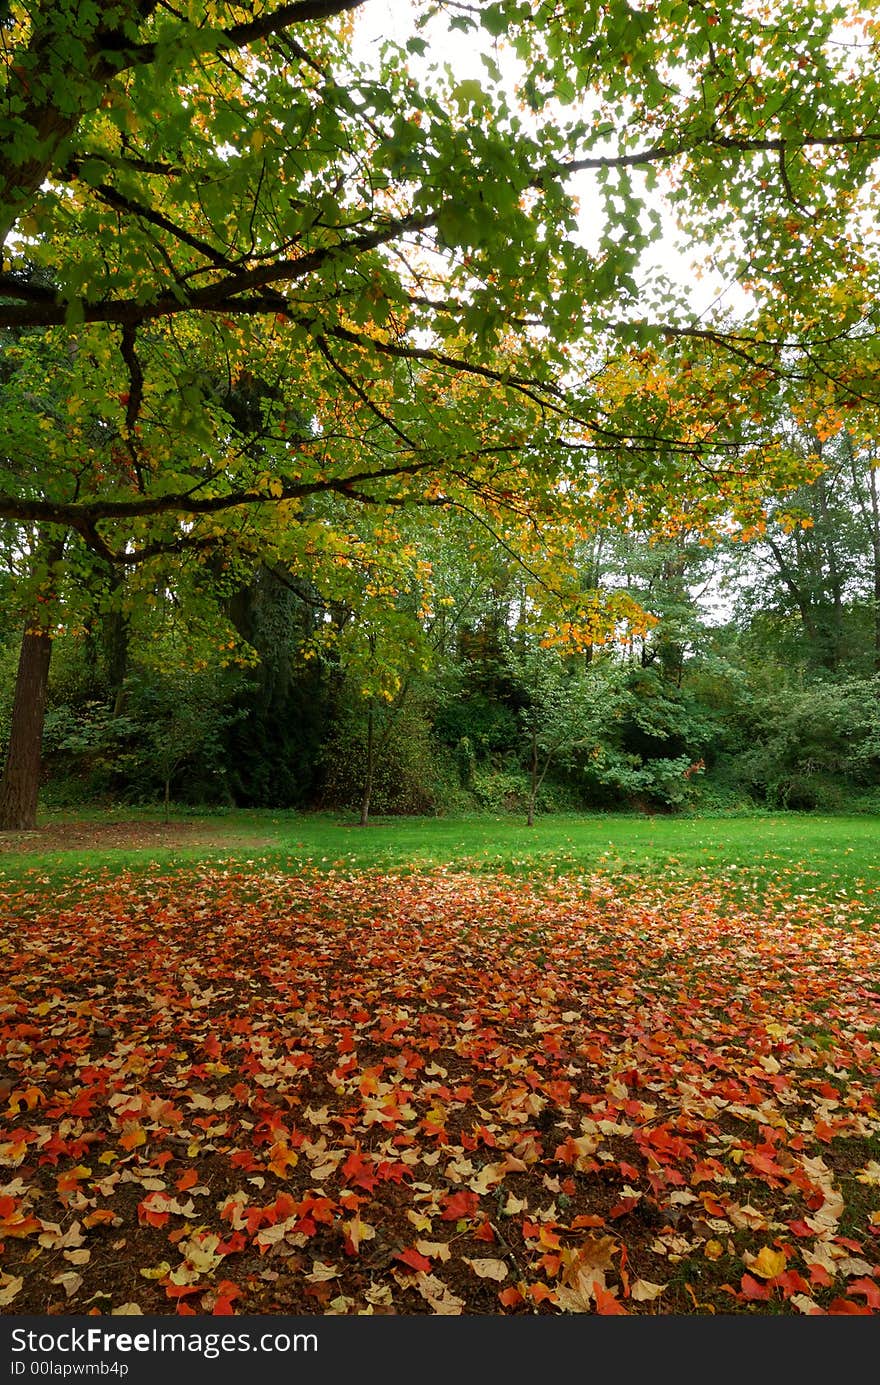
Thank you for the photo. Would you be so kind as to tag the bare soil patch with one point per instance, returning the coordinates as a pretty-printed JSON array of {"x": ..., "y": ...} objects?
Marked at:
[{"x": 133, "y": 835}]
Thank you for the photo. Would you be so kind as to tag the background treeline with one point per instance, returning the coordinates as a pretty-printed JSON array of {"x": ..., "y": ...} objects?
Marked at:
[{"x": 756, "y": 683}]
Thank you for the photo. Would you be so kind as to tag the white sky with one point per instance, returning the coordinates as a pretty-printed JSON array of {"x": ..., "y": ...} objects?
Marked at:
[{"x": 395, "y": 19}]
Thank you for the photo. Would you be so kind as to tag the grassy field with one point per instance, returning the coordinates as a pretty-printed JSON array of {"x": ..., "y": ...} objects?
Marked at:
[
  {"x": 262, "y": 1063},
  {"x": 802, "y": 852}
]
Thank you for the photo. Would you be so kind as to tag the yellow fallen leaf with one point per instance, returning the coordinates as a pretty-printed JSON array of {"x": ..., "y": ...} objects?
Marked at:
[
  {"x": 713, "y": 1250},
  {"x": 870, "y": 1174},
  {"x": 767, "y": 1264},
  {"x": 155, "y": 1271},
  {"x": 358, "y": 1231},
  {"x": 133, "y": 1135}
]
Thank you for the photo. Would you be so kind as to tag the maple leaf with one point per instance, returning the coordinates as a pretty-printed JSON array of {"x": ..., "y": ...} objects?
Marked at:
[
  {"x": 435, "y": 1292},
  {"x": 767, "y": 1264},
  {"x": 359, "y": 1172},
  {"x": 458, "y": 1206},
  {"x": 414, "y": 1259}
]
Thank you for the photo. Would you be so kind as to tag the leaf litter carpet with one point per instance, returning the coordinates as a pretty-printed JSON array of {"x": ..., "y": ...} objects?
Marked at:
[{"x": 436, "y": 1093}]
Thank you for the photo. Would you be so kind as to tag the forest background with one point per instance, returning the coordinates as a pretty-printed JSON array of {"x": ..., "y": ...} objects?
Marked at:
[{"x": 462, "y": 506}]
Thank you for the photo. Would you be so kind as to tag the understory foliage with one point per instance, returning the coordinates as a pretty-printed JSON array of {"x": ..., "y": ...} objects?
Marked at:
[
  {"x": 441, "y": 1093},
  {"x": 465, "y": 707}
]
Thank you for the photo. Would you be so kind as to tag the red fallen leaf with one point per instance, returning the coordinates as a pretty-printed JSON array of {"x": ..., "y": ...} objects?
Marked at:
[
  {"x": 706, "y": 1171},
  {"x": 868, "y": 1287},
  {"x": 484, "y": 1232},
  {"x": 102, "y": 1216},
  {"x": 621, "y": 1208},
  {"x": 606, "y": 1304},
  {"x": 510, "y": 1297},
  {"x": 855, "y": 1246},
  {"x": 549, "y": 1238},
  {"x": 712, "y": 1205},
  {"x": 539, "y": 1292},
  {"x": 243, "y": 1159},
  {"x": 458, "y": 1205},
  {"x": 752, "y": 1291},
  {"x": 586, "y": 1219},
  {"x": 791, "y": 1282},
  {"x": 800, "y": 1228},
  {"x": 227, "y": 1291},
  {"x": 355, "y": 1170},
  {"x": 237, "y": 1242},
  {"x": 182, "y": 1290},
  {"x": 20, "y": 1227},
  {"x": 184, "y": 1310},
  {"x": 147, "y": 1216},
  {"x": 188, "y": 1179},
  {"x": 414, "y": 1259},
  {"x": 823, "y": 1131},
  {"x": 819, "y": 1275},
  {"x": 839, "y": 1306},
  {"x": 763, "y": 1163}
]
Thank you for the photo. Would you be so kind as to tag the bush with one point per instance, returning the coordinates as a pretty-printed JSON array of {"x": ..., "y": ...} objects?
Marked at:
[{"x": 405, "y": 773}]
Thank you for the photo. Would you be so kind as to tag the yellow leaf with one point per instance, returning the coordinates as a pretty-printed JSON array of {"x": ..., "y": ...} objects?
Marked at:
[
  {"x": 713, "y": 1250},
  {"x": 133, "y": 1135},
  {"x": 767, "y": 1264},
  {"x": 156, "y": 1271}
]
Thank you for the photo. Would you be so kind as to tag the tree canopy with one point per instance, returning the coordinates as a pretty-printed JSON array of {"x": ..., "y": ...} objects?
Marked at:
[
  {"x": 265, "y": 289},
  {"x": 225, "y": 217}
]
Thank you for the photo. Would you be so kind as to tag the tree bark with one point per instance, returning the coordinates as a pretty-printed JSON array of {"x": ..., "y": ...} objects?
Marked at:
[{"x": 20, "y": 785}]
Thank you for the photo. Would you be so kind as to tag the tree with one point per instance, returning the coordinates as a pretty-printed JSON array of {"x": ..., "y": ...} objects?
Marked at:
[{"x": 201, "y": 193}]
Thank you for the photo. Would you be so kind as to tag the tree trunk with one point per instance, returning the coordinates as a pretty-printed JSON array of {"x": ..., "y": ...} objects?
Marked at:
[
  {"x": 20, "y": 785},
  {"x": 368, "y": 778},
  {"x": 21, "y": 779}
]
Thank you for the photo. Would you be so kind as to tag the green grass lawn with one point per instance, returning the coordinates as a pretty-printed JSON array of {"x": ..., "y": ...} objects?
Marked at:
[{"x": 799, "y": 852}]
